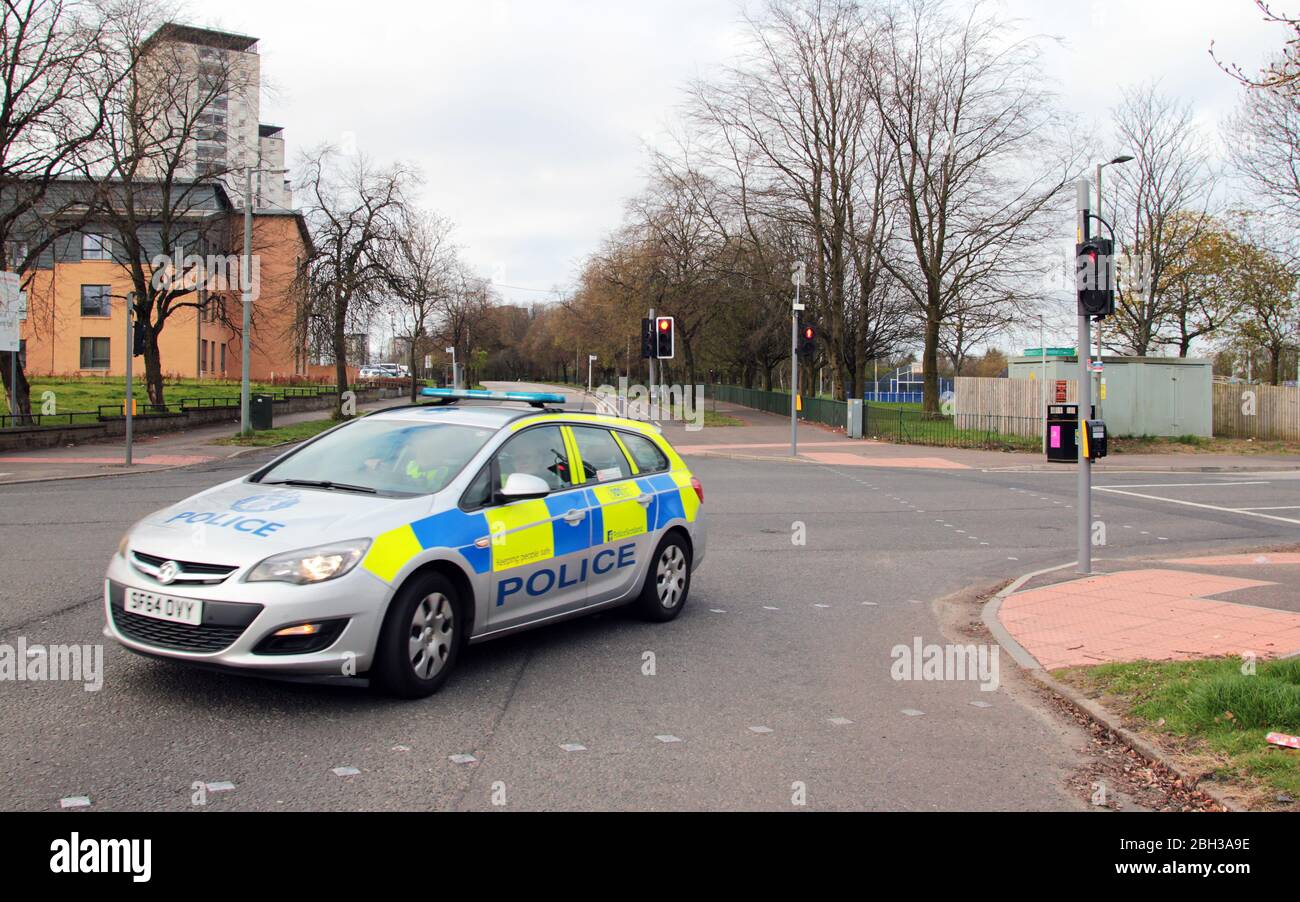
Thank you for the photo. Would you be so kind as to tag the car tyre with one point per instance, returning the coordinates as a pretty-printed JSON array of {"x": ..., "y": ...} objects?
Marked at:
[
  {"x": 667, "y": 581},
  {"x": 421, "y": 638}
]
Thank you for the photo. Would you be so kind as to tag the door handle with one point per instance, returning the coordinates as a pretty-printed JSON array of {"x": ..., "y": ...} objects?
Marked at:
[
  {"x": 575, "y": 516},
  {"x": 644, "y": 500}
]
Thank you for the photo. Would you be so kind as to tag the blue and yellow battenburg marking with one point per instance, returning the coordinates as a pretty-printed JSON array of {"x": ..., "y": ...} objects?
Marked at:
[{"x": 529, "y": 532}]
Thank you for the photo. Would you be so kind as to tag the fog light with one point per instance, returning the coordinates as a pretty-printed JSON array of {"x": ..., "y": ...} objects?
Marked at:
[{"x": 302, "y": 629}]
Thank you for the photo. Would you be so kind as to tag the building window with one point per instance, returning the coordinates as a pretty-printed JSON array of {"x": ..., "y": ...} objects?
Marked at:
[
  {"x": 94, "y": 353},
  {"x": 223, "y": 360},
  {"x": 96, "y": 247},
  {"x": 203, "y": 355},
  {"x": 96, "y": 300}
]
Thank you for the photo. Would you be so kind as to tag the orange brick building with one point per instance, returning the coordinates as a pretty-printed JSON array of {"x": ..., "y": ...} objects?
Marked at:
[{"x": 76, "y": 305}]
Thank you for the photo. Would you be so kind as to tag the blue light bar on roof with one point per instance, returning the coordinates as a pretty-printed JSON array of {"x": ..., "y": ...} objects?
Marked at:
[{"x": 528, "y": 397}]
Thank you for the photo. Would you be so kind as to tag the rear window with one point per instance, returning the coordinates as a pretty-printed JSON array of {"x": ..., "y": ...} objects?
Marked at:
[
  {"x": 602, "y": 460},
  {"x": 648, "y": 457},
  {"x": 389, "y": 456}
]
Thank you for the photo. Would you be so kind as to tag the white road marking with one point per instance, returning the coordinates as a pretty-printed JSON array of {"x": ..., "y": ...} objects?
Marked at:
[
  {"x": 981, "y": 704},
  {"x": 912, "y": 712},
  {"x": 573, "y": 747},
  {"x": 1289, "y": 507},
  {"x": 667, "y": 737},
  {"x": 760, "y": 729},
  {"x": 840, "y": 721},
  {"x": 346, "y": 771},
  {"x": 1179, "y": 485},
  {"x": 461, "y": 759},
  {"x": 75, "y": 802},
  {"x": 220, "y": 786},
  {"x": 1212, "y": 507}
]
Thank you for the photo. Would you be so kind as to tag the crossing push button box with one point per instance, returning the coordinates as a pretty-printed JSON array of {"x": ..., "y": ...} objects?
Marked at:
[{"x": 1096, "y": 443}]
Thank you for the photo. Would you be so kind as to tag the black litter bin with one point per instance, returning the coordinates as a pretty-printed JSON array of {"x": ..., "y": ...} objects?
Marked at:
[{"x": 261, "y": 411}]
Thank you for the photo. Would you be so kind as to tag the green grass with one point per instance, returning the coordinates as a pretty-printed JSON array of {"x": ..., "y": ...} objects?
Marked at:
[
  {"x": 1212, "y": 703},
  {"x": 295, "y": 432},
  {"x": 713, "y": 418},
  {"x": 88, "y": 393}
]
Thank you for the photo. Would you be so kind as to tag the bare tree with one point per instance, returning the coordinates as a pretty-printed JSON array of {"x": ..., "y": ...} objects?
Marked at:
[
  {"x": 1283, "y": 74},
  {"x": 354, "y": 211},
  {"x": 790, "y": 122},
  {"x": 54, "y": 65},
  {"x": 418, "y": 272},
  {"x": 972, "y": 131},
  {"x": 1163, "y": 197},
  {"x": 154, "y": 200},
  {"x": 1263, "y": 138}
]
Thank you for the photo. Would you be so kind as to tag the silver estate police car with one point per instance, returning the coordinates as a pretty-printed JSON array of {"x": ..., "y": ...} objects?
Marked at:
[{"x": 382, "y": 546}]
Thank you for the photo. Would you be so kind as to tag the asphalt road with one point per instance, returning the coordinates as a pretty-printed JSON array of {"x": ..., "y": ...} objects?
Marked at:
[{"x": 792, "y": 638}]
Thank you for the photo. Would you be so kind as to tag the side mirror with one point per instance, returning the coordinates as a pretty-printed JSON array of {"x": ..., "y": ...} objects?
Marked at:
[{"x": 520, "y": 486}]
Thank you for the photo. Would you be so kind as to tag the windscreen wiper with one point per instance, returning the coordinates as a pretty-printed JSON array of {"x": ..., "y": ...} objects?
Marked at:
[{"x": 324, "y": 484}]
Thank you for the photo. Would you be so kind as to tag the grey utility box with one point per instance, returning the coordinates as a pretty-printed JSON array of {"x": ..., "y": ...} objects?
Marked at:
[{"x": 855, "y": 418}]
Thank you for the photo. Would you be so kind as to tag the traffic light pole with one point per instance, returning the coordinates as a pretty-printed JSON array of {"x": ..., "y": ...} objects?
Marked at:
[
  {"x": 651, "y": 362},
  {"x": 1084, "y": 398},
  {"x": 794, "y": 372}
]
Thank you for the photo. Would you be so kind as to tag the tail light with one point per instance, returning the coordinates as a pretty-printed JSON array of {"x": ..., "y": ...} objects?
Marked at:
[{"x": 699, "y": 489}]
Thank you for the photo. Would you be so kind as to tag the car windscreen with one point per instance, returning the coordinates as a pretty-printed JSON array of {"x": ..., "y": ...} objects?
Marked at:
[{"x": 383, "y": 456}]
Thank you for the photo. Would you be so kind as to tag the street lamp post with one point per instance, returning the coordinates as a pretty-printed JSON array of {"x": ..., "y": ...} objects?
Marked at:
[{"x": 1122, "y": 158}]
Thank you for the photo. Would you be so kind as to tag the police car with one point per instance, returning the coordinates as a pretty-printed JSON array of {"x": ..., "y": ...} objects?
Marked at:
[{"x": 384, "y": 545}]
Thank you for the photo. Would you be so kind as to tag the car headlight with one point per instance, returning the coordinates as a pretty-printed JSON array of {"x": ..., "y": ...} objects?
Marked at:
[{"x": 310, "y": 565}]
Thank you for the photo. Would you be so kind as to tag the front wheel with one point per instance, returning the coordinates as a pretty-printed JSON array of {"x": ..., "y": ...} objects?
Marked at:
[
  {"x": 420, "y": 639},
  {"x": 667, "y": 581}
]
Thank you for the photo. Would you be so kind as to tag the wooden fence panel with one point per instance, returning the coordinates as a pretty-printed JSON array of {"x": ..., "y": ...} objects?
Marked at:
[
  {"x": 1268, "y": 412},
  {"x": 1021, "y": 400}
]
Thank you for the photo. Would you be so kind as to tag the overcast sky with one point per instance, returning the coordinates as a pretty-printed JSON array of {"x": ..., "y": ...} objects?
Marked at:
[{"x": 530, "y": 117}]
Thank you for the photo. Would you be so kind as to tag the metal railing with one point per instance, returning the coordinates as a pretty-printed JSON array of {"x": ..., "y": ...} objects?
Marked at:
[
  {"x": 905, "y": 424},
  {"x": 913, "y": 426}
]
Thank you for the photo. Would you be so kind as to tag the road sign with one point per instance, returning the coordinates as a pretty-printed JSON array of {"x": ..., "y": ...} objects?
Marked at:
[
  {"x": 1062, "y": 390},
  {"x": 1051, "y": 352},
  {"x": 10, "y": 314}
]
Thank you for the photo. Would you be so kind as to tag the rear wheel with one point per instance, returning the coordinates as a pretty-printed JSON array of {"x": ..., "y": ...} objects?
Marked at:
[
  {"x": 667, "y": 581},
  {"x": 420, "y": 639}
]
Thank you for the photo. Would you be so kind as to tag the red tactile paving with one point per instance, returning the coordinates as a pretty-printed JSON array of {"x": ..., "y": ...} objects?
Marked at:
[
  {"x": 1153, "y": 614},
  {"x": 1242, "y": 560},
  {"x": 841, "y": 459}
]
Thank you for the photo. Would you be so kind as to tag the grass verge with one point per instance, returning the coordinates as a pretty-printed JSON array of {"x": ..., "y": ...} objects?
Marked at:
[
  {"x": 713, "y": 418},
  {"x": 1212, "y": 710},
  {"x": 295, "y": 432}
]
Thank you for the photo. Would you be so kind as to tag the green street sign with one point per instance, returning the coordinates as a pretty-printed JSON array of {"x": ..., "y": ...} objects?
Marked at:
[{"x": 1051, "y": 352}]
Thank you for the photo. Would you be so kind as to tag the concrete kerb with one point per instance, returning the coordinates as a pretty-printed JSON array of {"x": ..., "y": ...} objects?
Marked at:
[{"x": 1091, "y": 709}]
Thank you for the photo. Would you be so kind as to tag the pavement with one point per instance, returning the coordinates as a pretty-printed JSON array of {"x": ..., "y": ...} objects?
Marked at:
[
  {"x": 1160, "y": 610},
  {"x": 776, "y": 688}
]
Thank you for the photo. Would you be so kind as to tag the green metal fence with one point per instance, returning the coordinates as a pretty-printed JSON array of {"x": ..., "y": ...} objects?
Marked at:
[
  {"x": 902, "y": 423},
  {"x": 815, "y": 410},
  {"x": 912, "y": 426}
]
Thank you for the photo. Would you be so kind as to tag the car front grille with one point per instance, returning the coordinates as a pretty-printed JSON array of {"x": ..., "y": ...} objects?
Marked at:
[
  {"x": 176, "y": 636},
  {"x": 223, "y": 623}
]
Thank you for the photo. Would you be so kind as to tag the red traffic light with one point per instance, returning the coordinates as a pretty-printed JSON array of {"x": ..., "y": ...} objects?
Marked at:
[
  {"x": 665, "y": 324},
  {"x": 808, "y": 332}
]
